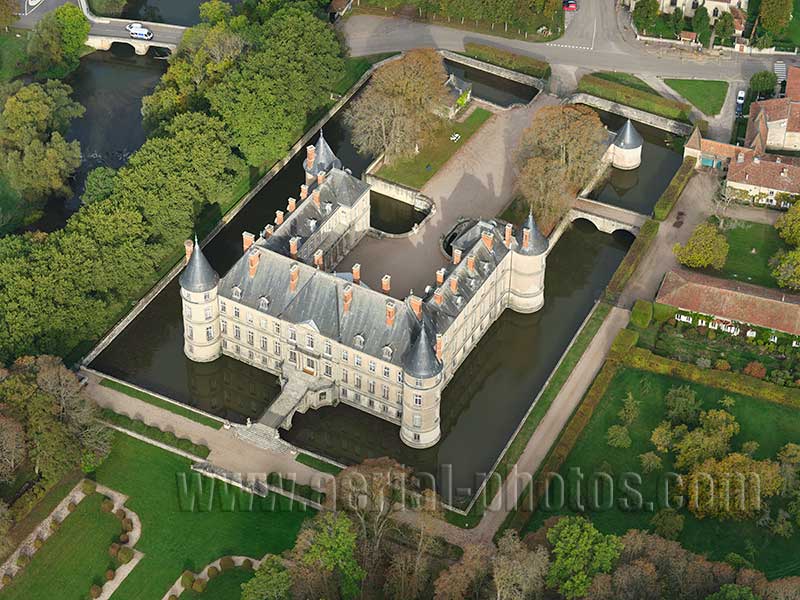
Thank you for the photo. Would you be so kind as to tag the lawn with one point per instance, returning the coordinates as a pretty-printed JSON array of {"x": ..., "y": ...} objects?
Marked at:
[
  {"x": 771, "y": 425},
  {"x": 12, "y": 54},
  {"x": 745, "y": 265},
  {"x": 707, "y": 96},
  {"x": 632, "y": 91},
  {"x": 226, "y": 586},
  {"x": 316, "y": 463},
  {"x": 416, "y": 171},
  {"x": 72, "y": 559},
  {"x": 175, "y": 538},
  {"x": 626, "y": 79}
]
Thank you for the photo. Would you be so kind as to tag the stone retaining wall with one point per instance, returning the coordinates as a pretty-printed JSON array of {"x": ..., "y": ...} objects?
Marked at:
[
  {"x": 634, "y": 114},
  {"x": 494, "y": 69}
]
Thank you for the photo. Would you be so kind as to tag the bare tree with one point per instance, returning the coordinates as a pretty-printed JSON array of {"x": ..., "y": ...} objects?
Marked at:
[
  {"x": 519, "y": 573},
  {"x": 12, "y": 447},
  {"x": 721, "y": 202},
  {"x": 468, "y": 576}
]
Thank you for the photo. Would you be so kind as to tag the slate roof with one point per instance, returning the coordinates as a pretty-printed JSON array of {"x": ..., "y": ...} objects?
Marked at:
[
  {"x": 628, "y": 138},
  {"x": 731, "y": 300},
  {"x": 538, "y": 244},
  {"x": 324, "y": 158},
  {"x": 420, "y": 361},
  {"x": 198, "y": 276}
]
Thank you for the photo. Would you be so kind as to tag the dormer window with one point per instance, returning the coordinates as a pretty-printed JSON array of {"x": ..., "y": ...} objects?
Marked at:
[
  {"x": 237, "y": 292},
  {"x": 358, "y": 341},
  {"x": 387, "y": 353},
  {"x": 263, "y": 303}
]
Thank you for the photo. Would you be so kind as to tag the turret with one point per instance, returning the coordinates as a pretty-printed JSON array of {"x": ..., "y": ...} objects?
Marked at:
[
  {"x": 422, "y": 390},
  {"x": 528, "y": 264},
  {"x": 201, "y": 329},
  {"x": 627, "y": 148},
  {"x": 319, "y": 159}
]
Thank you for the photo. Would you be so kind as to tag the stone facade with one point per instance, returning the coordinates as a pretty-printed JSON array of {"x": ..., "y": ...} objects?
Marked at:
[{"x": 284, "y": 309}]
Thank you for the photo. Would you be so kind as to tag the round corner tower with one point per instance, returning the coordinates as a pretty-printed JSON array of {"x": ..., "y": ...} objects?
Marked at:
[
  {"x": 527, "y": 269},
  {"x": 422, "y": 393},
  {"x": 627, "y": 148},
  {"x": 202, "y": 340}
]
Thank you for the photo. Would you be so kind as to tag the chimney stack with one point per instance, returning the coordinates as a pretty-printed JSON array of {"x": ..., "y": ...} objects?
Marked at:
[
  {"x": 390, "y": 312},
  {"x": 188, "y": 246},
  {"x": 416, "y": 305},
  {"x": 268, "y": 231},
  {"x": 291, "y": 205},
  {"x": 356, "y": 273},
  {"x": 509, "y": 233},
  {"x": 294, "y": 275},
  {"x": 440, "y": 276},
  {"x": 252, "y": 262},
  {"x": 318, "y": 258},
  {"x": 348, "y": 298},
  {"x": 293, "y": 243},
  {"x": 315, "y": 196},
  {"x": 386, "y": 283},
  {"x": 438, "y": 297},
  {"x": 320, "y": 178},
  {"x": 439, "y": 345},
  {"x": 454, "y": 284},
  {"x": 456, "y": 255},
  {"x": 311, "y": 154},
  {"x": 278, "y": 217},
  {"x": 471, "y": 263},
  {"x": 526, "y": 238},
  {"x": 488, "y": 239},
  {"x": 303, "y": 192},
  {"x": 247, "y": 240}
]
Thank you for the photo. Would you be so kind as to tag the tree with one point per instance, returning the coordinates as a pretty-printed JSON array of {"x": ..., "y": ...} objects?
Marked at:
[
  {"x": 722, "y": 202},
  {"x": 650, "y": 462},
  {"x": 755, "y": 369},
  {"x": 334, "y": 551},
  {"x": 629, "y": 411},
  {"x": 731, "y": 591},
  {"x": 774, "y": 15},
  {"x": 580, "y": 552},
  {"x": 215, "y": 11},
  {"x": 99, "y": 184},
  {"x": 732, "y": 488},
  {"x": 763, "y": 82},
  {"x": 668, "y": 523},
  {"x": 723, "y": 29},
  {"x": 788, "y": 225},
  {"x": 396, "y": 112},
  {"x": 786, "y": 268},
  {"x": 8, "y": 13},
  {"x": 557, "y": 155},
  {"x": 58, "y": 39},
  {"x": 467, "y": 577},
  {"x": 271, "y": 581},
  {"x": 683, "y": 405},
  {"x": 663, "y": 437},
  {"x": 678, "y": 24},
  {"x": 519, "y": 573},
  {"x": 705, "y": 247},
  {"x": 710, "y": 440},
  {"x": 701, "y": 25},
  {"x": 12, "y": 447},
  {"x": 617, "y": 436},
  {"x": 645, "y": 14}
]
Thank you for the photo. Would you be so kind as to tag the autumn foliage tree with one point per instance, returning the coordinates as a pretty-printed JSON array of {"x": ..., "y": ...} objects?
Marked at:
[
  {"x": 467, "y": 577},
  {"x": 706, "y": 247},
  {"x": 774, "y": 15}
]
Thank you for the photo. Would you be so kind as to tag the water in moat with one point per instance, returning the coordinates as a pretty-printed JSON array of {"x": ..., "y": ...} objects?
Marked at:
[
  {"x": 174, "y": 12},
  {"x": 110, "y": 85},
  {"x": 489, "y": 87},
  {"x": 640, "y": 188},
  {"x": 392, "y": 216}
]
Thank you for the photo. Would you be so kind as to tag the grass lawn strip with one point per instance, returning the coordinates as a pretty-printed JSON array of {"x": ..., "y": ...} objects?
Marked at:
[
  {"x": 707, "y": 96},
  {"x": 12, "y": 54},
  {"x": 768, "y": 423},
  {"x": 316, "y": 463},
  {"x": 189, "y": 530},
  {"x": 225, "y": 586},
  {"x": 416, "y": 171},
  {"x": 623, "y": 90},
  {"x": 154, "y": 433},
  {"x": 626, "y": 79},
  {"x": 745, "y": 265}
]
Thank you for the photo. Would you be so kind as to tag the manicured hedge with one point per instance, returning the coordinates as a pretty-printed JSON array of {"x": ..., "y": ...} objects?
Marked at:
[
  {"x": 508, "y": 60},
  {"x": 305, "y": 491},
  {"x": 662, "y": 312},
  {"x": 674, "y": 190},
  {"x": 625, "y": 340},
  {"x": 642, "y": 314},
  {"x": 154, "y": 433},
  {"x": 319, "y": 465},
  {"x": 630, "y": 263},
  {"x": 634, "y": 97},
  {"x": 737, "y": 383}
]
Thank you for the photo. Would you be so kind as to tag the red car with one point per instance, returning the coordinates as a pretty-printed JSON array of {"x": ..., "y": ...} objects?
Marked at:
[{"x": 570, "y": 6}]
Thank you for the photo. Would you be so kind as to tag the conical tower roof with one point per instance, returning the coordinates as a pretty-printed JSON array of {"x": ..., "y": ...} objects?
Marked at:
[
  {"x": 628, "y": 138},
  {"x": 324, "y": 158},
  {"x": 537, "y": 244},
  {"x": 420, "y": 360},
  {"x": 198, "y": 276}
]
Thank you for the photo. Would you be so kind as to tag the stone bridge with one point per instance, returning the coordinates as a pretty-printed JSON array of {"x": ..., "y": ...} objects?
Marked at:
[
  {"x": 605, "y": 217},
  {"x": 106, "y": 31}
]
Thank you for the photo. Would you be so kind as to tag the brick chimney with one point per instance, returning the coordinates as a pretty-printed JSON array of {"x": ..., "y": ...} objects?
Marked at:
[
  {"x": 303, "y": 192},
  {"x": 188, "y": 246},
  {"x": 386, "y": 283},
  {"x": 416, "y": 305},
  {"x": 356, "y": 273},
  {"x": 311, "y": 154},
  {"x": 247, "y": 240},
  {"x": 440, "y": 276},
  {"x": 315, "y": 196},
  {"x": 348, "y": 298},
  {"x": 390, "y": 313},
  {"x": 294, "y": 275},
  {"x": 471, "y": 263},
  {"x": 509, "y": 232},
  {"x": 268, "y": 231},
  {"x": 252, "y": 262},
  {"x": 439, "y": 346},
  {"x": 456, "y": 255},
  {"x": 318, "y": 258},
  {"x": 488, "y": 239},
  {"x": 278, "y": 217},
  {"x": 526, "y": 238},
  {"x": 320, "y": 178},
  {"x": 438, "y": 297},
  {"x": 292, "y": 204},
  {"x": 293, "y": 243},
  {"x": 454, "y": 284}
]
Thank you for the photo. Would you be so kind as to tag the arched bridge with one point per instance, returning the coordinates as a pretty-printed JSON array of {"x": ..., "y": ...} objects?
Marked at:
[{"x": 605, "y": 217}]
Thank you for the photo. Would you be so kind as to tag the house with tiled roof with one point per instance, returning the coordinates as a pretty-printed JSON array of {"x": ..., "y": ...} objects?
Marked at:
[
  {"x": 715, "y": 7},
  {"x": 766, "y": 179},
  {"x": 779, "y": 118},
  {"x": 732, "y": 307}
]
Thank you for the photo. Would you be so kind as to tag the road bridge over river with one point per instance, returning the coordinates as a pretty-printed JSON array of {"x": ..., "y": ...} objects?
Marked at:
[{"x": 607, "y": 218}]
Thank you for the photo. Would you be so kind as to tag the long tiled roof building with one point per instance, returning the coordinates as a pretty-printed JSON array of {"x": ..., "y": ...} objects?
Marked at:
[{"x": 283, "y": 307}]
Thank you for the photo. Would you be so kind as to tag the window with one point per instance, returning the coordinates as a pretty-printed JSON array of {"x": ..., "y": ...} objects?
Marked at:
[
  {"x": 292, "y": 356},
  {"x": 372, "y": 366},
  {"x": 292, "y": 334},
  {"x": 323, "y": 396},
  {"x": 250, "y": 317},
  {"x": 358, "y": 341},
  {"x": 224, "y": 343},
  {"x": 224, "y": 326},
  {"x": 399, "y": 377},
  {"x": 344, "y": 376},
  {"x": 238, "y": 349},
  {"x": 384, "y": 408},
  {"x": 328, "y": 370},
  {"x": 277, "y": 347},
  {"x": 277, "y": 328},
  {"x": 344, "y": 393},
  {"x": 416, "y": 420},
  {"x": 236, "y": 312},
  {"x": 263, "y": 303},
  {"x": 386, "y": 372},
  {"x": 387, "y": 353},
  {"x": 206, "y": 296},
  {"x": 263, "y": 324},
  {"x": 223, "y": 308},
  {"x": 358, "y": 360},
  {"x": 371, "y": 403},
  {"x": 191, "y": 349},
  {"x": 237, "y": 293},
  {"x": 263, "y": 343},
  {"x": 189, "y": 333},
  {"x": 385, "y": 392},
  {"x": 209, "y": 333},
  {"x": 310, "y": 363},
  {"x": 418, "y": 382},
  {"x": 358, "y": 381},
  {"x": 250, "y": 338},
  {"x": 371, "y": 386},
  {"x": 417, "y": 400},
  {"x": 309, "y": 341},
  {"x": 399, "y": 397},
  {"x": 187, "y": 312},
  {"x": 344, "y": 355},
  {"x": 237, "y": 333},
  {"x": 416, "y": 437},
  {"x": 208, "y": 313},
  {"x": 328, "y": 349},
  {"x": 250, "y": 354}
]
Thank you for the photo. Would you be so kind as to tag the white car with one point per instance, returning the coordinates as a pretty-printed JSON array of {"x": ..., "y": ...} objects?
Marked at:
[
  {"x": 132, "y": 26},
  {"x": 740, "y": 97}
]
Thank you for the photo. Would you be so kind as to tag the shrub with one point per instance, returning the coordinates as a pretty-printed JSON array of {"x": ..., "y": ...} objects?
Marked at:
[
  {"x": 38, "y": 543},
  {"x": 127, "y": 525},
  {"x": 6, "y": 579},
  {"x": 71, "y": 507},
  {"x": 23, "y": 560},
  {"x": 674, "y": 190},
  {"x": 226, "y": 563},
  {"x": 247, "y": 564},
  {"x": 706, "y": 247},
  {"x": 625, "y": 340},
  {"x": 199, "y": 585},
  {"x": 617, "y": 436},
  {"x": 212, "y": 572},
  {"x": 630, "y": 263},
  {"x": 124, "y": 538},
  {"x": 107, "y": 505},
  {"x": 110, "y": 574},
  {"x": 637, "y": 98},
  {"x": 113, "y": 550},
  {"x": 125, "y": 555},
  {"x": 95, "y": 591},
  {"x": 722, "y": 365},
  {"x": 120, "y": 513},
  {"x": 667, "y": 523},
  {"x": 508, "y": 60},
  {"x": 154, "y": 433},
  {"x": 187, "y": 579},
  {"x": 642, "y": 314},
  {"x": 703, "y": 362},
  {"x": 755, "y": 369},
  {"x": 173, "y": 597},
  {"x": 55, "y": 524},
  {"x": 88, "y": 487},
  {"x": 650, "y": 461},
  {"x": 662, "y": 312},
  {"x": 737, "y": 561}
]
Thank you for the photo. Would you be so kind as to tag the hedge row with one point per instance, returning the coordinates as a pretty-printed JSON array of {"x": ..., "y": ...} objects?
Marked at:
[
  {"x": 642, "y": 314},
  {"x": 737, "y": 383},
  {"x": 299, "y": 489},
  {"x": 636, "y": 98},
  {"x": 630, "y": 263},
  {"x": 508, "y": 60},
  {"x": 674, "y": 190},
  {"x": 566, "y": 442},
  {"x": 154, "y": 433},
  {"x": 625, "y": 340}
]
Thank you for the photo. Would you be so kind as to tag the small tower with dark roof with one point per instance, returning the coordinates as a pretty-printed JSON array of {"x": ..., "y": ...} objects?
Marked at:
[
  {"x": 527, "y": 268},
  {"x": 201, "y": 327},
  {"x": 319, "y": 159},
  {"x": 627, "y": 148},
  {"x": 422, "y": 390}
]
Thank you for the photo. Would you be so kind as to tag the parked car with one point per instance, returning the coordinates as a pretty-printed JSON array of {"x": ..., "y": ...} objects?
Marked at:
[
  {"x": 132, "y": 26},
  {"x": 740, "y": 98},
  {"x": 141, "y": 34},
  {"x": 570, "y": 5}
]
